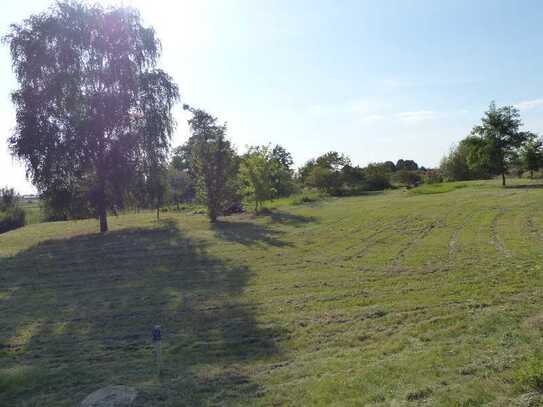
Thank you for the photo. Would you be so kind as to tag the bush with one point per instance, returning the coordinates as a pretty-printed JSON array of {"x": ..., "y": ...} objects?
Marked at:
[
  {"x": 433, "y": 177},
  {"x": 377, "y": 182},
  {"x": 408, "y": 178},
  {"x": 12, "y": 218}
]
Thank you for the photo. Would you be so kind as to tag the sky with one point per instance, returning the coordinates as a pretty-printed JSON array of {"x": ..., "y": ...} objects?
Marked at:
[{"x": 377, "y": 80}]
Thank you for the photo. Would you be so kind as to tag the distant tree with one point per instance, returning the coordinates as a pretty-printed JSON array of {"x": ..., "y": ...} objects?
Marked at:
[
  {"x": 157, "y": 188},
  {"x": 377, "y": 177},
  {"x": 408, "y": 178},
  {"x": 531, "y": 154},
  {"x": 214, "y": 163},
  {"x": 353, "y": 177},
  {"x": 92, "y": 108},
  {"x": 500, "y": 131},
  {"x": 454, "y": 166},
  {"x": 8, "y": 199},
  {"x": 326, "y": 172},
  {"x": 326, "y": 179},
  {"x": 333, "y": 160},
  {"x": 408, "y": 165},
  {"x": 256, "y": 175},
  {"x": 181, "y": 185},
  {"x": 390, "y": 166},
  {"x": 305, "y": 170},
  {"x": 433, "y": 176},
  {"x": 12, "y": 216},
  {"x": 482, "y": 156},
  {"x": 181, "y": 175},
  {"x": 182, "y": 157},
  {"x": 282, "y": 174}
]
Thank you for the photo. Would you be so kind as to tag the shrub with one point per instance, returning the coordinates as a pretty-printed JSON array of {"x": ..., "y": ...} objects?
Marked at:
[
  {"x": 12, "y": 218},
  {"x": 377, "y": 182},
  {"x": 408, "y": 178},
  {"x": 433, "y": 177}
]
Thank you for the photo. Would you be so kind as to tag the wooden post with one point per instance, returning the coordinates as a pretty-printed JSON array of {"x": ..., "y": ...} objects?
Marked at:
[{"x": 157, "y": 336}]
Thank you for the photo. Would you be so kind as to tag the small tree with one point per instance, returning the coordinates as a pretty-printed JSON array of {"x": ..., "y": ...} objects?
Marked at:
[
  {"x": 377, "y": 177},
  {"x": 325, "y": 172},
  {"x": 181, "y": 185},
  {"x": 531, "y": 155},
  {"x": 157, "y": 188},
  {"x": 500, "y": 132},
  {"x": 214, "y": 162},
  {"x": 12, "y": 216},
  {"x": 326, "y": 179},
  {"x": 408, "y": 165},
  {"x": 256, "y": 171},
  {"x": 482, "y": 156},
  {"x": 408, "y": 178},
  {"x": 8, "y": 199},
  {"x": 282, "y": 175},
  {"x": 454, "y": 166}
]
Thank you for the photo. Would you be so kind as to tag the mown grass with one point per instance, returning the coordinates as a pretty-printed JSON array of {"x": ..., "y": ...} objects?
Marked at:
[
  {"x": 440, "y": 188},
  {"x": 33, "y": 212},
  {"x": 388, "y": 299}
]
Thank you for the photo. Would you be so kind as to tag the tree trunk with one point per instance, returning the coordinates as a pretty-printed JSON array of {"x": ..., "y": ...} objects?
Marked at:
[
  {"x": 157, "y": 213},
  {"x": 503, "y": 179},
  {"x": 103, "y": 218},
  {"x": 212, "y": 216},
  {"x": 102, "y": 212},
  {"x": 531, "y": 174}
]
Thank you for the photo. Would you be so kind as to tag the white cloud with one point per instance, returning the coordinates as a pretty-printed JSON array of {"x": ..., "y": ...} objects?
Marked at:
[
  {"x": 364, "y": 110},
  {"x": 530, "y": 104},
  {"x": 417, "y": 116},
  {"x": 374, "y": 117}
]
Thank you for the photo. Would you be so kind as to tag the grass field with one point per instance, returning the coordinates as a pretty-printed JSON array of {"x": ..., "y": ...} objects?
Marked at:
[{"x": 397, "y": 298}]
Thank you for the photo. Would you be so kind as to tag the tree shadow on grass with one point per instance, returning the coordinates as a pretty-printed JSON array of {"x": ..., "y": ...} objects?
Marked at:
[
  {"x": 525, "y": 186},
  {"x": 291, "y": 219},
  {"x": 78, "y": 315},
  {"x": 249, "y": 233},
  {"x": 252, "y": 233}
]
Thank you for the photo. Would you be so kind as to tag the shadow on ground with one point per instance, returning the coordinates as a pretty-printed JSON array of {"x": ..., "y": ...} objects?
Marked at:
[
  {"x": 251, "y": 233},
  {"x": 525, "y": 186},
  {"x": 77, "y": 315},
  {"x": 248, "y": 233},
  {"x": 291, "y": 219}
]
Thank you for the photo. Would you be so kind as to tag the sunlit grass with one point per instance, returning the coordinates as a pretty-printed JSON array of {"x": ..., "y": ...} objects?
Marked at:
[{"x": 389, "y": 299}]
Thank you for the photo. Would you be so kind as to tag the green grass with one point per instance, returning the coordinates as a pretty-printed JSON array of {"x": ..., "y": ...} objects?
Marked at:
[
  {"x": 386, "y": 299},
  {"x": 309, "y": 196},
  {"x": 33, "y": 211},
  {"x": 440, "y": 188}
]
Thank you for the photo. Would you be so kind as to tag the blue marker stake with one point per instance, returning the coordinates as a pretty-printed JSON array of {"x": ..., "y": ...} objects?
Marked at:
[{"x": 157, "y": 336}]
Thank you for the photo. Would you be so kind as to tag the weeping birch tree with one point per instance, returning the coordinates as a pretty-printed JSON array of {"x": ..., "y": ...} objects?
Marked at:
[{"x": 93, "y": 110}]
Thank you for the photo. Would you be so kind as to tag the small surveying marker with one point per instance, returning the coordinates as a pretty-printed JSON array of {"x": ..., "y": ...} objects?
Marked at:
[{"x": 157, "y": 336}]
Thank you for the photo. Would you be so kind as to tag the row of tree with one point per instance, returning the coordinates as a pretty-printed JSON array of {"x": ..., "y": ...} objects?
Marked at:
[
  {"x": 495, "y": 147},
  {"x": 207, "y": 169},
  {"x": 94, "y": 123},
  {"x": 334, "y": 174}
]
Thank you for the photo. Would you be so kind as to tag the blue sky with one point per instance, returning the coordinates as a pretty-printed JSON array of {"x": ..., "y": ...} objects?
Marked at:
[{"x": 377, "y": 80}]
